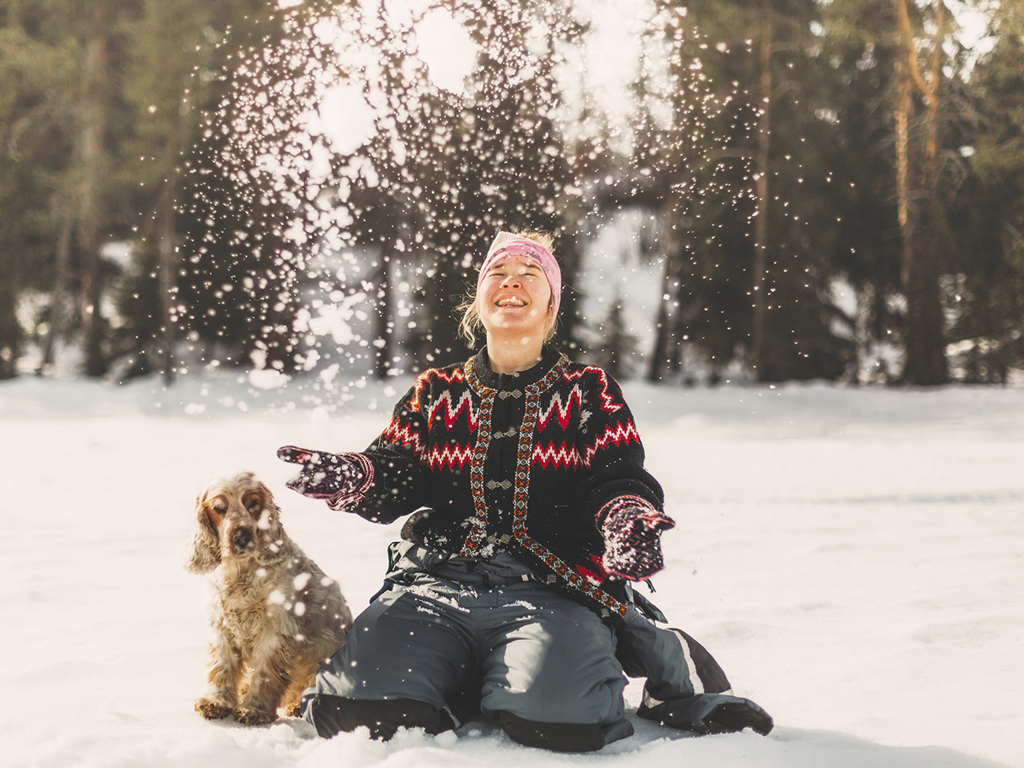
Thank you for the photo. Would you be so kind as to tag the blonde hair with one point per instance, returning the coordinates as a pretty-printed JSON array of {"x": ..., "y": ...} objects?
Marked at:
[{"x": 470, "y": 322}]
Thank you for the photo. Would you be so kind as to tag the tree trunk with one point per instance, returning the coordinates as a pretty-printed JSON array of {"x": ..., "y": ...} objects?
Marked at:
[
  {"x": 383, "y": 323},
  {"x": 902, "y": 116},
  {"x": 569, "y": 260},
  {"x": 167, "y": 249},
  {"x": 671, "y": 277},
  {"x": 58, "y": 301},
  {"x": 94, "y": 78},
  {"x": 667, "y": 354},
  {"x": 764, "y": 134},
  {"x": 924, "y": 329}
]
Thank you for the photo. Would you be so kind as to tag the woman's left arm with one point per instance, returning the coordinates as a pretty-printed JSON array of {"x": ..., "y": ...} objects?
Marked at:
[
  {"x": 612, "y": 451},
  {"x": 624, "y": 498}
]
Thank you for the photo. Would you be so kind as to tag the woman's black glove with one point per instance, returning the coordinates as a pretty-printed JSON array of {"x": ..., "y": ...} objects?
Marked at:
[
  {"x": 334, "y": 477},
  {"x": 631, "y": 528}
]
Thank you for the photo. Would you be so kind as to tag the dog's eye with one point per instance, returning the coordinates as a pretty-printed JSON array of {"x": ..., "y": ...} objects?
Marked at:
[
  {"x": 219, "y": 508},
  {"x": 255, "y": 506}
]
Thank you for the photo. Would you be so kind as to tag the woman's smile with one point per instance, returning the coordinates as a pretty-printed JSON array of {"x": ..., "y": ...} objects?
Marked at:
[
  {"x": 514, "y": 295},
  {"x": 511, "y": 301}
]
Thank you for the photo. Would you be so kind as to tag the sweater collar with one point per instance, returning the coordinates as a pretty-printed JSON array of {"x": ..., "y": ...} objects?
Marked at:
[{"x": 501, "y": 381}]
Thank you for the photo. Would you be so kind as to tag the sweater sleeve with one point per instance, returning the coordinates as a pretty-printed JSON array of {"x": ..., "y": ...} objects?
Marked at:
[
  {"x": 615, "y": 454},
  {"x": 397, "y": 485}
]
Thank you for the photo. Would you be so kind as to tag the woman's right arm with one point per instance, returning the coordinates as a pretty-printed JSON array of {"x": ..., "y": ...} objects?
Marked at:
[{"x": 382, "y": 483}]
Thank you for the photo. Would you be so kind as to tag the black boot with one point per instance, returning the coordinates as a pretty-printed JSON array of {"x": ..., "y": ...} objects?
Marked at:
[
  {"x": 708, "y": 713},
  {"x": 333, "y": 714}
]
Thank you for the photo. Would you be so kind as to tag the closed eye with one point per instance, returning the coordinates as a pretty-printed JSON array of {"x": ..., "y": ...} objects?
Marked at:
[{"x": 502, "y": 274}]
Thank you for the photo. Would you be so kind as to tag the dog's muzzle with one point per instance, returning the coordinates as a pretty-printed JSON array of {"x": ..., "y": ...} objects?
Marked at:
[{"x": 240, "y": 540}]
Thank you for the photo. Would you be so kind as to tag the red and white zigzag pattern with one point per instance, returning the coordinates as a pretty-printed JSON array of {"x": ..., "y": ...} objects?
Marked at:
[
  {"x": 558, "y": 410},
  {"x": 621, "y": 433},
  {"x": 452, "y": 412},
  {"x": 448, "y": 377},
  {"x": 405, "y": 435},
  {"x": 453, "y": 457},
  {"x": 608, "y": 401},
  {"x": 553, "y": 456}
]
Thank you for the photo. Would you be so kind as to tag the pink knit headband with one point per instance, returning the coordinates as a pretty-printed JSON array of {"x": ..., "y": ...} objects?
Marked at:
[{"x": 507, "y": 244}]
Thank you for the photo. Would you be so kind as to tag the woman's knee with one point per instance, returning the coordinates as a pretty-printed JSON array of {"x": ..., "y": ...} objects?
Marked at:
[{"x": 392, "y": 653}]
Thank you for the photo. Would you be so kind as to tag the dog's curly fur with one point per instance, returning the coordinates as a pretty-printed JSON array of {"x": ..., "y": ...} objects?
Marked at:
[{"x": 277, "y": 617}]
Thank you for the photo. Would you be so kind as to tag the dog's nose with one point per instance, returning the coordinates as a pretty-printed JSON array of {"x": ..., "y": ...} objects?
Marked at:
[{"x": 241, "y": 539}]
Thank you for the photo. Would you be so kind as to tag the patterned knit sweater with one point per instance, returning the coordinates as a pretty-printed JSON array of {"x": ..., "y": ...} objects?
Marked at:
[{"x": 526, "y": 464}]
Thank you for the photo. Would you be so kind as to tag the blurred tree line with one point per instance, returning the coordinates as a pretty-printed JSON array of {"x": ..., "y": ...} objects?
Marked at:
[{"x": 172, "y": 191}]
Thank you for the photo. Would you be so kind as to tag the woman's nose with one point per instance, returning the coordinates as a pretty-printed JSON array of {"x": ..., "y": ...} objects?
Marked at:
[{"x": 511, "y": 281}]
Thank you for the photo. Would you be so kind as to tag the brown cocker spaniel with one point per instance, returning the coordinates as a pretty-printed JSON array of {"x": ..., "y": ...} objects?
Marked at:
[{"x": 277, "y": 617}]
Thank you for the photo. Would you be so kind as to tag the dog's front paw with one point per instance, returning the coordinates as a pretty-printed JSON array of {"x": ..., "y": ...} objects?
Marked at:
[
  {"x": 248, "y": 716},
  {"x": 293, "y": 710},
  {"x": 213, "y": 710}
]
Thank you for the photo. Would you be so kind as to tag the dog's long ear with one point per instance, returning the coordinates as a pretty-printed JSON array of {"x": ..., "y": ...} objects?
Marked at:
[{"x": 204, "y": 554}]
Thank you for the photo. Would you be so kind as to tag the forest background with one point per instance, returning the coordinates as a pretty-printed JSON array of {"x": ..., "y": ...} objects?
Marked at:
[{"x": 775, "y": 190}]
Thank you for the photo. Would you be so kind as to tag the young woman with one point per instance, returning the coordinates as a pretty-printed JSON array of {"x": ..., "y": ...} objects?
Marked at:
[{"x": 530, "y": 512}]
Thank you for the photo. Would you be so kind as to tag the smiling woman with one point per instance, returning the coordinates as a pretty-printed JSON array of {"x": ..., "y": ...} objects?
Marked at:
[{"x": 530, "y": 510}]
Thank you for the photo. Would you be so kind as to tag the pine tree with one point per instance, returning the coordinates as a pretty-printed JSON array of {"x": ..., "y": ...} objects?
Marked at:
[
  {"x": 861, "y": 45},
  {"x": 83, "y": 114},
  {"x": 449, "y": 171},
  {"x": 37, "y": 65},
  {"x": 618, "y": 344},
  {"x": 988, "y": 215},
  {"x": 746, "y": 240},
  {"x": 247, "y": 200}
]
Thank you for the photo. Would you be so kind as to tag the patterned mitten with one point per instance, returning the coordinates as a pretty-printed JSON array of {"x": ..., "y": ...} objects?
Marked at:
[
  {"x": 631, "y": 528},
  {"x": 334, "y": 477}
]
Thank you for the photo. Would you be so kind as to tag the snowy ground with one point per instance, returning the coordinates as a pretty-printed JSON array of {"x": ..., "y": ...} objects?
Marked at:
[{"x": 852, "y": 557}]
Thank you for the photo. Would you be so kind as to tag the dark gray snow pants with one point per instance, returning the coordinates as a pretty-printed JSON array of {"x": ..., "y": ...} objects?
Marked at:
[
  {"x": 543, "y": 666},
  {"x": 545, "y": 669}
]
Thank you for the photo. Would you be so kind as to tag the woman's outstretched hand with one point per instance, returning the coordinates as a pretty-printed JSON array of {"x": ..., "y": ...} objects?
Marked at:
[
  {"x": 323, "y": 475},
  {"x": 632, "y": 528}
]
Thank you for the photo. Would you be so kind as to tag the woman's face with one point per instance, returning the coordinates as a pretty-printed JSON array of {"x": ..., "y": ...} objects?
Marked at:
[{"x": 514, "y": 296}]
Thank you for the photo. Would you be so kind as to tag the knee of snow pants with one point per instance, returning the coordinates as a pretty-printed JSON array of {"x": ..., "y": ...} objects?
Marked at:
[
  {"x": 676, "y": 666},
  {"x": 400, "y": 647}
]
